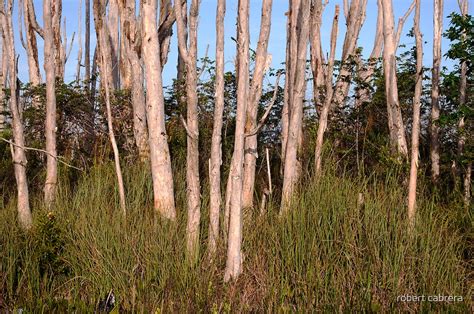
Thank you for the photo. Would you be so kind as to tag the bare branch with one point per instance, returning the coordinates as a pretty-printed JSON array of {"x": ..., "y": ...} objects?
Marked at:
[
  {"x": 188, "y": 131},
  {"x": 262, "y": 121},
  {"x": 401, "y": 22},
  {"x": 58, "y": 158}
]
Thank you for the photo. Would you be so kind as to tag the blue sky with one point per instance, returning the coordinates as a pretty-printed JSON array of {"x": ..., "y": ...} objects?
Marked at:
[{"x": 206, "y": 35}]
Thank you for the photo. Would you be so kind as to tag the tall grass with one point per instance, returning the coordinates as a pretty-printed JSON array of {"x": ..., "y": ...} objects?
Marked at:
[{"x": 331, "y": 253}]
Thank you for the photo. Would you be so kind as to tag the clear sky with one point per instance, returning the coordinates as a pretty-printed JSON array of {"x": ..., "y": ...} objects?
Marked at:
[{"x": 206, "y": 35}]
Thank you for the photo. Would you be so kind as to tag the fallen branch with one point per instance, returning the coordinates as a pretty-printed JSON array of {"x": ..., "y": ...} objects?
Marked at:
[{"x": 58, "y": 158}]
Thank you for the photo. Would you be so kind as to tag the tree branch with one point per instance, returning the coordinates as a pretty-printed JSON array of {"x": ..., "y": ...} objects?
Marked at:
[
  {"x": 267, "y": 110},
  {"x": 188, "y": 131},
  {"x": 401, "y": 22},
  {"x": 58, "y": 158}
]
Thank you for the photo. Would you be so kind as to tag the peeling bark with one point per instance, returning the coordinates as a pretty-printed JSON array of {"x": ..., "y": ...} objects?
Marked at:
[
  {"x": 395, "y": 120},
  {"x": 299, "y": 30},
  {"x": 162, "y": 175},
  {"x": 435, "y": 109},
  {"x": 188, "y": 51},
  {"x": 19, "y": 156},
  {"x": 234, "y": 249},
  {"x": 262, "y": 59},
  {"x": 50, "y": 124},
  {"x": 216, "y": 145},
  {"x": 131, "y": 37}
]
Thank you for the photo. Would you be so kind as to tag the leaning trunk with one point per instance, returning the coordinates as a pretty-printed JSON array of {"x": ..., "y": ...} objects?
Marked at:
[
  {"x": 18, "y": 150},
  {"x": 415, "y": 136}
]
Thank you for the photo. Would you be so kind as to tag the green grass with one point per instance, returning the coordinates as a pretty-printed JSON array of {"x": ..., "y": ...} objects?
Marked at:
[{"x": 328, "y": 254}]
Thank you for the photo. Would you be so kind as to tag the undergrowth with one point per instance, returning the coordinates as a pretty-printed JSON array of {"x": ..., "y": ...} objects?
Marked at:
[{"x": 344, "y": 246}]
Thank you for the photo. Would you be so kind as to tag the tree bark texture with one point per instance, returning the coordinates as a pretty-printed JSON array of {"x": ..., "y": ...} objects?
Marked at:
[
  {"x": 19, "y": 156},
  {"x": 255, "y": 93},
  {"x": 50, "y": 124},
  {"x": 162, "y": 175},
  {"x": 299, "y": 30},
  {"x": 188, "y": 51},
  {"x": 234, "y": 249},
  {"x": 435, "y": 109},
  {"x": 216, "y": 144},
  {"x": 415, "y": 136}
]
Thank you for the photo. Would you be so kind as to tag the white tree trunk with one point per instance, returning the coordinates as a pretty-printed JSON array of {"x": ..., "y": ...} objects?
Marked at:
[
  {"x": 114, "y": 43},
  {"x": 316, "y": 52},
  {"x": 19, "y": 156},
  {"x": 31, "y": 43},
  {"x": 162, "y": 175},
  {"x": 261, "y": 60},
  {"x": 131, "y": 36},
  {"x": 435, "y": 110},
  {"x": 323, "y": 117},
  {"x": 234, "y": 250},
  {"x": 189, "y": 54},
  {"x": 336, "y": 96},
  {"x": 300, "y": 17},
  {"x": 3, "y": 78},
  {"x": 395, "y": 120},
  {"x": 216, "y": 145},
  {"x": 415, "y": 136},
  {"x": 50, "y": 124}
]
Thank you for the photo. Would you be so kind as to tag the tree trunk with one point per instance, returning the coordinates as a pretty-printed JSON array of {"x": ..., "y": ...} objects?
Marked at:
[
  {"x": 316, "y": 53},
  {"x": 50, "y": 125},
  {"x": 366, "y": 74},
  {"x": 354, "y": 22},
  {"x": 31, "y": 43},
  {"x": 338, "y": 94},
  {"x": 434, "y": 128},
  {"x": 216, "y": 145},
  {"x": 285, "y": 114},
  {"x": 79, "y": 51},
  {"x": 3, "y": 78},
  {"x": 114, "y": 44},
  {"x": 461, "y": 124},
  {"x": 300, "y": 15},
  {"x": 87, "y": 44},
  {"x": 56, "y": 8},
  {"x": 162, "y": 175},
  {"x": 165, "y": 29},
  {"x": 104, "y": 68},
  {"x": 323, "y": 117},
  {"x": 395, "y": 120},
  {"x": 19, "y": 156},
  {"x": 261, "y": 60},
  {"x": 131, "y": 36},
  {"x": 415, "y": 136},
  {"x": 234, "y": 250},
  {"x": 189, "y": 54}
]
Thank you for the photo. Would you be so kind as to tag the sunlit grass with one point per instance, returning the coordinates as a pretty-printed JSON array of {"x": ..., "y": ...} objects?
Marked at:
[{"x": 331, "y": 252}]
